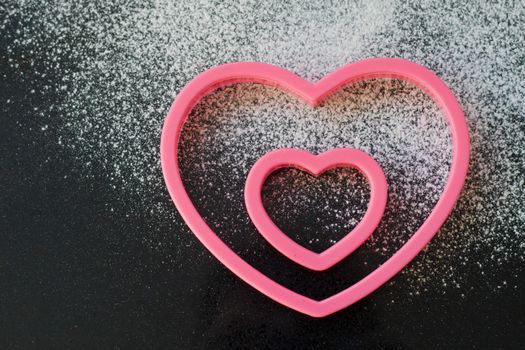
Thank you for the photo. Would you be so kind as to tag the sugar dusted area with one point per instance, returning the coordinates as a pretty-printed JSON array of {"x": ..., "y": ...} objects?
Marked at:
[{"x": 119, "y": 68}]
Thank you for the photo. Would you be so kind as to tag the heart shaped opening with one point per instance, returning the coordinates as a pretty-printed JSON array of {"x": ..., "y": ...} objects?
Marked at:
[
  {"x": 230, "y": 129},
  {"x": 316, "y": 212}
]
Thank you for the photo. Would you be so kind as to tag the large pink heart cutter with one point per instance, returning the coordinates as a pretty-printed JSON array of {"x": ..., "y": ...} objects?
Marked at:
[
  {"x": 313, "y": 94},
  {"x": 316, "y": 165}
]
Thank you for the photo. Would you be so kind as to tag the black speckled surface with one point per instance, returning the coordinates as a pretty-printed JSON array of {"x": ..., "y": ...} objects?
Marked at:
[{"x": 85, "y": 262}]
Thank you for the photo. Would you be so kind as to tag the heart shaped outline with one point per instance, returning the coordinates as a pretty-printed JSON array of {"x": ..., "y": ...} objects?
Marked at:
[
  {"x": 313, "y": 94},
  {"x": 315, "y": 165}
]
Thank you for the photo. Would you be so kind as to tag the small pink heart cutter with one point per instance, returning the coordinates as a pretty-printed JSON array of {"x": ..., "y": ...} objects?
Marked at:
[
  {"x": 313, "y": 94},
  {"x": 316, "y": 165}
]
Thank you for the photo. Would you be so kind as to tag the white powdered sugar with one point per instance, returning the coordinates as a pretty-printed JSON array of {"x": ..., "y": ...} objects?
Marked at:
[{"x": 119, "y": 67}]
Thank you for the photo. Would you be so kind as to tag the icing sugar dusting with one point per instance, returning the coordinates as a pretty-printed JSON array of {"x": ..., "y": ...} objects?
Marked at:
[{"x": 121, "y": 65}]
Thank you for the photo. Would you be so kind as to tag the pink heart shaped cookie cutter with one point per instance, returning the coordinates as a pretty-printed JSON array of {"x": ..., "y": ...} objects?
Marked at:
[
  {"x": 316, "y": 165},
  {"x": 313, "y": 94}
]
